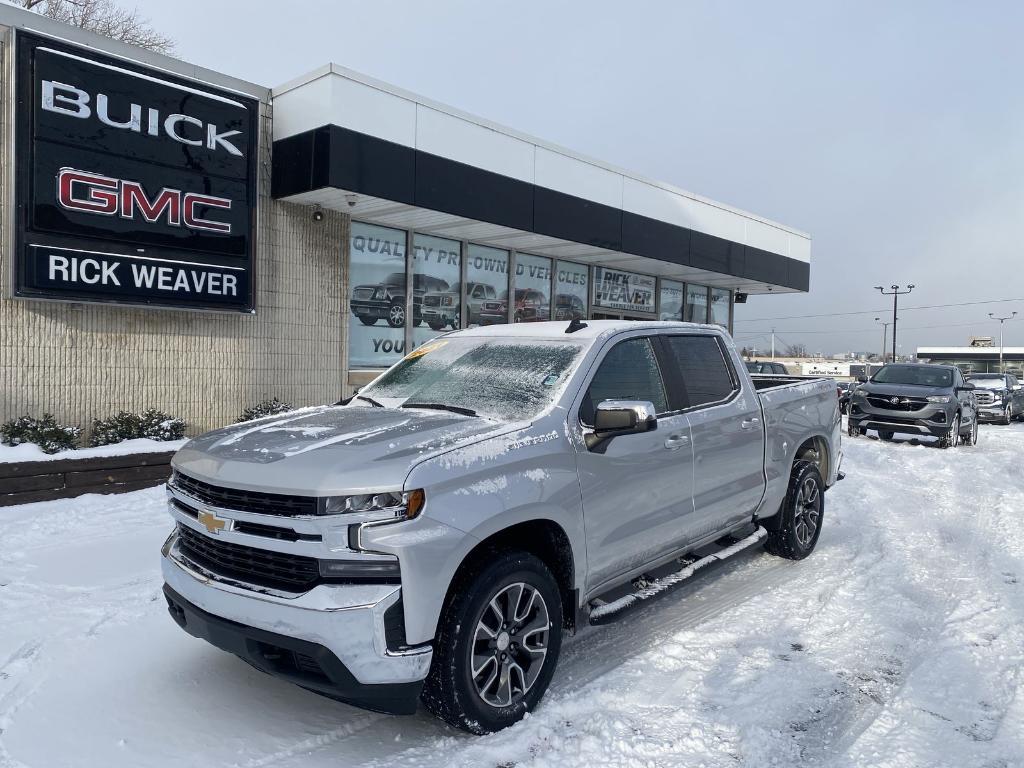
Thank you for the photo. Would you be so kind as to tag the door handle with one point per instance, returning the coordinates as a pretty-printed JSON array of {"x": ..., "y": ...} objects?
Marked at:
[
  {"x": 749, "y": 423},
  {"x": 676, "y": 441}
]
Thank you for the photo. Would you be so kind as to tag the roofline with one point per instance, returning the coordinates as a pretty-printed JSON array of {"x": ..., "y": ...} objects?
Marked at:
[{"x": 371, "y": 82}]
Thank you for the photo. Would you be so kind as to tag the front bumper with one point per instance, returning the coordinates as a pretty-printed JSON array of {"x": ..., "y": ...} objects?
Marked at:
[
  {"x": 375, "y": 309},
  {"x": 341, "y": 628},
  {"x": 931, "y": 421},
  {"x": 994, "y": 412},
  {"x": 439, "y": 315}
]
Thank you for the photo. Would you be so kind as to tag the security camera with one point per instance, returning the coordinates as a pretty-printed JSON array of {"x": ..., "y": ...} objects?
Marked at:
[
  {"x": 351, "y": 200},
  {"x": 318, "y": 213}
]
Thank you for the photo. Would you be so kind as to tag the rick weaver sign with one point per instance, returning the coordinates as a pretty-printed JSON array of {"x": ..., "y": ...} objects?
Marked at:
[{"x": 133, "y": 186}]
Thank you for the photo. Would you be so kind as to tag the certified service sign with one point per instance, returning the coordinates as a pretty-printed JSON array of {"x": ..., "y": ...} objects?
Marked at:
[{"x": 133, "y": 186}]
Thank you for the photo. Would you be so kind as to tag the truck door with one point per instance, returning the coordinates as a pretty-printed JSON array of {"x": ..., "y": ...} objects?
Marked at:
[
  {"x": 726, "y": 430},
  {"x": 637, "y": 493}
]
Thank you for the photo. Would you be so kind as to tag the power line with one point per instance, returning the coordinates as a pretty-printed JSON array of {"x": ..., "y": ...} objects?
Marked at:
[
  {"x": 873, "y": 311},
  {"x": 852, "y": 330}
]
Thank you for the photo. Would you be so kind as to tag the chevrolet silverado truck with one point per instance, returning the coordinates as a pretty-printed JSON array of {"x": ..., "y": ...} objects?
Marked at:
[{"x": 435, "y": 537}]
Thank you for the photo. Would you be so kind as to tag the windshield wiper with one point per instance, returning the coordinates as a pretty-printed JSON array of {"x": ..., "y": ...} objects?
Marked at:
[
  {"x": 442, "y": 407},
  {"x": 370, "y": 400}
]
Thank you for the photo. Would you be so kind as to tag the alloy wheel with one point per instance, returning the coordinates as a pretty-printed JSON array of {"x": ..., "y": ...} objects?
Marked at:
[
  {"x": 808, "y": 512},
  {"x": 396, "y": 315},
  {"x": 510, "y": 645}
]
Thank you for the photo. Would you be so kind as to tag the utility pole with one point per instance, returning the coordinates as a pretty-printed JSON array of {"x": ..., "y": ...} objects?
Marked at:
[
  {"x": 1001, "y": 321},
  {"x": 895, "y": 292},
  {"x": 885, "y": 333},
  {"x": 773, "y": 344}
]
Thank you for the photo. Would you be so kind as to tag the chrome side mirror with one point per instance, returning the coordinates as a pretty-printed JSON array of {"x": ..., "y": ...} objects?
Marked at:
[{"x": 614, "y": 418}]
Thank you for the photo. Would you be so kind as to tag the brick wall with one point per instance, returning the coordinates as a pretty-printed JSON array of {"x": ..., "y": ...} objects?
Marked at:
[{"x": 82, "y": 361}]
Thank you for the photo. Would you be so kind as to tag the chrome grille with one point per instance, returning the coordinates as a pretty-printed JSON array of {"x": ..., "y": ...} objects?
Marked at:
[
  {"x": 985, "y": 396},
  {"x": 432, "y": 301},
  {"x": 245, "y": 501},
  {"x": 362, "y": 293}
]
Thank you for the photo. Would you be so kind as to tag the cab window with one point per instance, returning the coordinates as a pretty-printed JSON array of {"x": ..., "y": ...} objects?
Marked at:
[{"x": 628, "y": 372}]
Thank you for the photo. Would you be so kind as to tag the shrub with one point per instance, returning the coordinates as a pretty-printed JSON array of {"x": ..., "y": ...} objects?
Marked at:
[
  {"x": 265, "y": 408},
  {"x": 44, "y": 432},
  {"x": 151, "y": 423}
]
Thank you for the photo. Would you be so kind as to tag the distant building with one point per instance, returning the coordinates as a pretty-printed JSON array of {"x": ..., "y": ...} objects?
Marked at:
[{"x": 976, "y": 359}]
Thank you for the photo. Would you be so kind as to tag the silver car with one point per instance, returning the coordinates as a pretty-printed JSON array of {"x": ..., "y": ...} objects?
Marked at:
[{"x": 437, "y": 536}]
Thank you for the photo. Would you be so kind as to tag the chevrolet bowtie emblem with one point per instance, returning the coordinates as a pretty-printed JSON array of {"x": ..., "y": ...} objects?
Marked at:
[{"x": 213, "y": 523}]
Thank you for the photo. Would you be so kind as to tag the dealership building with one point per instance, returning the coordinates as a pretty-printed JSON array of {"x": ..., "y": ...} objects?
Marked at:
[{"x": 180, "y": 239}]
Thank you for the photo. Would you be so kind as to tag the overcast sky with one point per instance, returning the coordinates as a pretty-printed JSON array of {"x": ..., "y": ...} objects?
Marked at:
[{"x": 892, "y": 133}]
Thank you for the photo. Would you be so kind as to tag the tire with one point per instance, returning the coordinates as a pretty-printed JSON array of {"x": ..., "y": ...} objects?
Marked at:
[
  {"x": 367, "y": 320},
  {"x": 852, "y": 431},
  {"x": 456, "y": 323},
  {"x": 1007, "y": 416},
  {"x": 802, "y": 510},
  {"x": 971, "y": 438},
  {"x": 886, "y": 435},
  {"x": 478, "y": 705},
  {"x": 952, "y": 438},
  {"x": 396, "y": 315},
  {"x": 436, "y": 326}
]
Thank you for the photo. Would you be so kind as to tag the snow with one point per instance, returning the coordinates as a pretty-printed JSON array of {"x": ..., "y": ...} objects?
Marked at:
[
  {"x": 31, "y": 452},
  {"x": 899, "y": 642}
]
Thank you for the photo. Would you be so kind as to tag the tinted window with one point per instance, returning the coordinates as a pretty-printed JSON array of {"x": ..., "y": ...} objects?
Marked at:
[
  {"x": 705, "y": 376},
  {"x": 915, "y": 375},
  {"x": 628, "y": 372}
]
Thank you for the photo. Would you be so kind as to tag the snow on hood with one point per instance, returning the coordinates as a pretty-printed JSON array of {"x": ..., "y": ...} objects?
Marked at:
[{"x": 332, "y": 449}]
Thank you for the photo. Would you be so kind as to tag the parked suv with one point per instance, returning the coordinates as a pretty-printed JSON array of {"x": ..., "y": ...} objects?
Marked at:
[
  {"x": 766, "y": 367},
  {"x": 569, "y": 306},
  {"x": 441, "y": 308},
  {"x": 530, "y": 307},
  {"x": 494, "y": 490},
  {"x": 933, "y": 400},
  {"x": 1000, "y": 397},
  {"x": 386, "y": 300}
]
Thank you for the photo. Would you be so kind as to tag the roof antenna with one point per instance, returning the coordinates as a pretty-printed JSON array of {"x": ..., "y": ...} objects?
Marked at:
[{"x": 575, "y": 325}]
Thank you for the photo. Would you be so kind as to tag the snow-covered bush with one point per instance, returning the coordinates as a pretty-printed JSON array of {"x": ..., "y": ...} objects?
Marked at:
[
  {"x": 45, "y": 432},
  {"x": 265, "y": 408},
  {"x": 151, "y": 423}
]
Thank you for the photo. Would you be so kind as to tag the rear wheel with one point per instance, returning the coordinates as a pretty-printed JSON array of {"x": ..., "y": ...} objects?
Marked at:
[
  {"x": 497, "y": 644},
  {"x": 800, "y": 523},
  {"x": 436, "y": 326}
]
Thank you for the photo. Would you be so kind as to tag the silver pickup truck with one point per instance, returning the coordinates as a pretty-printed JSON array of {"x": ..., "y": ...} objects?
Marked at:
[{"x": 436, "y": 536}]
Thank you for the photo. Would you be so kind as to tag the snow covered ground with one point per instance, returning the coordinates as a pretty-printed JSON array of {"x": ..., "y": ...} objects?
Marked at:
[{"x": 900, "y": 642}]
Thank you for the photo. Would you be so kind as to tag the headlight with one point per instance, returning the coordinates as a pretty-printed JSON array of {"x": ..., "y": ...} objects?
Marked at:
[
  {"x": 405, "y": 505},
  {"x": 447, "y": 301},
  {"x": 939, "y": 399}
]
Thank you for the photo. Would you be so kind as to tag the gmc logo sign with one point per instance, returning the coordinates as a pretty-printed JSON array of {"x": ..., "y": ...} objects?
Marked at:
[{"x": 95, "y": 193}]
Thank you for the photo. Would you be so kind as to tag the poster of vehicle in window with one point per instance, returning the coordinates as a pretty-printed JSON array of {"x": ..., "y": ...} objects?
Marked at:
[
  {"x": 571, "y": 291},
  {"x": 532, "y": 289},
  {"x": 437, "y": 305},
  {"x": 629, "y": 291},
  {"x": 376, "y": 336},
  {"x": 486, "y": 285}
]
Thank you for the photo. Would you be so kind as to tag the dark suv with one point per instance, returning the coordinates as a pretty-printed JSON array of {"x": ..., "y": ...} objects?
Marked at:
[
  {"x": 931, "y": 400},
  {"x": 1000, "y": 397},
  {"x": 386, "y": 300},
  {"x": 569, "y": 306}
]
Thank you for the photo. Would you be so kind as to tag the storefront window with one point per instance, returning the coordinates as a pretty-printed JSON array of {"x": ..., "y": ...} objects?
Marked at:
[
  {"x": 720, "y": 307},
  {"x": 486, "y": 286},
  {"x": 376, "y": 337},
  {"x": 571, "y": 282},
  {"x": 532, "y": 289},
  {"x": 671, "y": 300},
  {"x": 615, "y": 289},
  {"x": 437, "y": 305},
  {"x": 696, "y": 310}
]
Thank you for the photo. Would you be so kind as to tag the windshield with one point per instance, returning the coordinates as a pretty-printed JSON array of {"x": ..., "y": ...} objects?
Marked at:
[
  {"x": 915, "y": 375},
  {"x": 504, "y": 379},
  {"x": 989, "y": 382}
]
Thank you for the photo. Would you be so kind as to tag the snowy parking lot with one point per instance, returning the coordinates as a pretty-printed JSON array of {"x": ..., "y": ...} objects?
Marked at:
[{"x": 899, "y": 642}]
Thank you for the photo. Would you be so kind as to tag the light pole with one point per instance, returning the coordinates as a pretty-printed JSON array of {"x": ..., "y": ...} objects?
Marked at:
[
  {"x": 1001, "y": 321},
  {"x": 895, "y": 292},
  {"x": 885, "y": 333}
]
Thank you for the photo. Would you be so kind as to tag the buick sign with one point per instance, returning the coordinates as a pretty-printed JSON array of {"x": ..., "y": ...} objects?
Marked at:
[{"x": 133, "y": 186}]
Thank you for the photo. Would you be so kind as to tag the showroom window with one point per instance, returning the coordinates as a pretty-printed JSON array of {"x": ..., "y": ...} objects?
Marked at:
[
  {"x": 720, "y": 307},
  {"x": 532, "y": 301},
  {"x": 571, "y": 285},
  {"x": 671, "y": 306},
  {"x": 376, "y": 337},
  {"x": 436, "y": 298},
  {"x": 696, "y": 310},
  {"x": 629, "y": 291},
  {"x": 486, "y": 285}
]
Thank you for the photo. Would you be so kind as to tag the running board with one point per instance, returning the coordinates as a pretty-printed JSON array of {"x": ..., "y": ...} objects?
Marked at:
[{"x": 644, "y": 588}]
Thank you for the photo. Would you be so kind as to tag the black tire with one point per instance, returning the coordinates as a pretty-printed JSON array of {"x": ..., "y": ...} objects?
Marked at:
[
  {"x": 886, "y": 435},
  {"x": 396, "y": 314},
  {"x": 971, "y": 438},
  {"x": 1007, "y": 416},
  {"x": 951, "y": 438},
  {"x": 367, "y": 320},
  {"x": 792, "y": 540},
  {"x": 450, "y": 692},
  {"x": 436, "y": 326},
  {"x": 852, "y": 431}
]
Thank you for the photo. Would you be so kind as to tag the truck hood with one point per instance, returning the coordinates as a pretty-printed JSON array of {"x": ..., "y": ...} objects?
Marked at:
[
  {"x": 903, "y": 390},
  {"x": 329, "y": 450}
]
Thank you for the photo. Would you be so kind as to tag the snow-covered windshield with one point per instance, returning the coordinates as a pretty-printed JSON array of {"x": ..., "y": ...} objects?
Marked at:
[
  {"x": 505, "y": 379},
  {"x": 989, "y": 382},
  {"x": 915, "y": 375}
]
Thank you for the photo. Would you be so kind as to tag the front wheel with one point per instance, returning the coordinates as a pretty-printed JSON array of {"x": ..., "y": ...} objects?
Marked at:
[
  {"x": 1007, "y": 416},
  {"x": 800, "y": 523},
  {"x": 971, "y": 438},
  {"x": 952, "y": 438},
  {"x": 497, "y": 644},
  {"x": 396, "y": 315}
]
